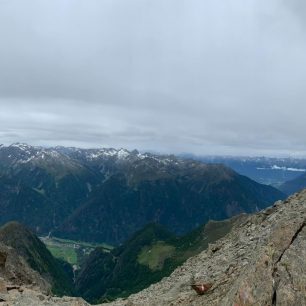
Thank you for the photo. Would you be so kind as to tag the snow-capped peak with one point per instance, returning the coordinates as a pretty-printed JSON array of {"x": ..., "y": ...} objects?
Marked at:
[
  {"x": 21, "y": 146},
  {"x": 108, "y": 152}
]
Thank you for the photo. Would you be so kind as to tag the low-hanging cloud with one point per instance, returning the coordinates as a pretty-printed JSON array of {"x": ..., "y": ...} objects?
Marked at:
[{"x": 223, "y": 77}]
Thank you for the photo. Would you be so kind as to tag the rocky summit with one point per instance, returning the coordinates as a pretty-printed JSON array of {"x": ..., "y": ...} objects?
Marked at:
[{"x": 260, "y": 262}]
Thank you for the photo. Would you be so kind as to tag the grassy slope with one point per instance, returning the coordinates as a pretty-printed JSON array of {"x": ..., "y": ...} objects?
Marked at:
[
  {"x": 65, "y": 253},
  {"x": 154, "y": 256},
  {"x": 150, "y": 255},
  {"x": 108, "y": 274}
]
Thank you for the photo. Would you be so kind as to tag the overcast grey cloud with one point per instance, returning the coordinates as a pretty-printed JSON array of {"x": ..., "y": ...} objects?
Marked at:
[{"x": 208, "y": 77}]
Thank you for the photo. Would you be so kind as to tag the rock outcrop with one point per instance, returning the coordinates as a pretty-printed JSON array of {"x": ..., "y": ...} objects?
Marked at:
[
  {"x": 23, "y": 296},
  {"x": 15, "y": 271},
  {"x": 21, "y": 285},
  {"x": 26, "y": 248},
  {"x": 260, "y": 262}
]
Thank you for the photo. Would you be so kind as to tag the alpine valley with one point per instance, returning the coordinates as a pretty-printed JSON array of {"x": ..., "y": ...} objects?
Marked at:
[
  {"x": 112, "y": 221},
  {"x": 106, "y": 195},
  {"x": 255, "y": 259}
]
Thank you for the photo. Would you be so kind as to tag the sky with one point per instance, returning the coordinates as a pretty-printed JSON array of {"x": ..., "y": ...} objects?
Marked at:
[{"x": 224, "y": 77}]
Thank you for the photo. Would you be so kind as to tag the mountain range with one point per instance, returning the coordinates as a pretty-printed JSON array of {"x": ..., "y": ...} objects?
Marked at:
[
  {"x": 106, "y": 195},
  {"x": 273, "y": 171}
]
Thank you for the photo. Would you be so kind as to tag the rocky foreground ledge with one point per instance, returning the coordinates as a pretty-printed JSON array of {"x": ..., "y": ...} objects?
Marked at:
[
  {"x": 20, "y": 285},
  {"x": 23, "y": 296},
  {"x": 260, "y": 262}
]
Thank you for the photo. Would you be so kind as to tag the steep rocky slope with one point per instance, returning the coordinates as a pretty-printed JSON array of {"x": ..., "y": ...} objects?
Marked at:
[
  {"x": 151, "y": 254},
  {"x": 14, "y": 270},
  {"x": 28, "y": 272},
  {"x": 260, "y": 262},
  {"x": 28, "y": 247}
]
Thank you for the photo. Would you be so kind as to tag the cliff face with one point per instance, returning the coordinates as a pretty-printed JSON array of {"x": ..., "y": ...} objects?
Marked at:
[
  {"x": 28, "y": 271},
  {"x": 14, "y": 271},
  {"x": 21, "y": 285},
  {"x": 260, "y": 262}
]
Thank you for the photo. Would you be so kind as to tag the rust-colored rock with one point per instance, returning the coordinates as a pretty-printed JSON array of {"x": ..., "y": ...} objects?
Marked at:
[{"x": 201, "y": 289}]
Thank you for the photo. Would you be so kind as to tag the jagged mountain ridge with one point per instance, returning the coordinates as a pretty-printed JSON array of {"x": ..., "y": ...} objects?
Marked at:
[
  {"x": 48, "y": 177},
  {"x": 260, "y": 262},
  {"x": 106, "y": 195}
]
